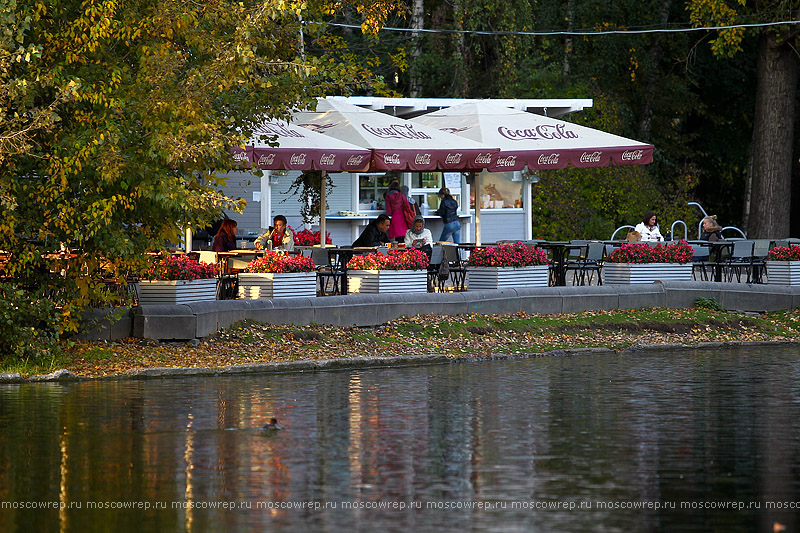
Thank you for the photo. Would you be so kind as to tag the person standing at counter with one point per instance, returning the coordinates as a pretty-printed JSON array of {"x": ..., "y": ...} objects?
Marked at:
[
  {"x": 448, "y": 211},
  {"x": 277, "y": 237},
  {"x": 225, "y": 239},
  {"x": 374, "y": 234},
  {"x": 396, "y": 207}
]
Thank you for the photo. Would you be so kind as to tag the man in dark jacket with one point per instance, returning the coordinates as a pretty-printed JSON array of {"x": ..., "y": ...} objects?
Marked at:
[{"x": 375, "y": 233}]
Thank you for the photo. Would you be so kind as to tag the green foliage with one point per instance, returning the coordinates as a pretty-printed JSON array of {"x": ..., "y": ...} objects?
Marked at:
[
  {"x": 29, "y": 325},
  {"x": 708, "y": 303},
  {"x": 117, "y": 118}
]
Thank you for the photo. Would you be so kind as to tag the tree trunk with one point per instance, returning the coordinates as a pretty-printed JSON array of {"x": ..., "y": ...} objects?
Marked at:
[
  {"x": 568, "y": 38},
  {"x": 770, "y": 161},
  {"x": 651, "y": 81},
  {"x": 417, "y": 22}
]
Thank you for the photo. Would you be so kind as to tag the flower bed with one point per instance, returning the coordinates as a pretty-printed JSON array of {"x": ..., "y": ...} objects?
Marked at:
[
  {"x": 508, "y": 255},
  {"x": 642, "y": 263},
  {"x": 178, "y": 279},
  {"x": 783, "y": 266},
  {"x": 644, "y": 253},
  {"x": 508, "y": 265},
  {"x": 278, "y": 275},
  {"x": 310, "y": 238},
  {"x": 398, "y": 271}
]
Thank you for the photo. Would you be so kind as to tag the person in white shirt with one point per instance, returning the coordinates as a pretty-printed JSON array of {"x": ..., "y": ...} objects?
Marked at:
[
  {"x": 419, "y": 237},
  {"x": 648, "y": 228}
]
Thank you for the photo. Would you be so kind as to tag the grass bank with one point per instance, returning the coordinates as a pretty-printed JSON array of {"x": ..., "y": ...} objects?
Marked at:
[{"x": 457, "y": 336}]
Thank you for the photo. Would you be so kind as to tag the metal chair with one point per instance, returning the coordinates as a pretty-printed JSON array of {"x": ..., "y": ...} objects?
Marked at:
[
  {"x": 591, "y": 262},
  {"x": 741, "y": 259},
  {"x": 759, "y": 261},
  {"x": 329, "y": 279},
  {"x": 435, "y": 263},
  {"x": 458, "y": 272},
  {"x": 699, "y": 261}
]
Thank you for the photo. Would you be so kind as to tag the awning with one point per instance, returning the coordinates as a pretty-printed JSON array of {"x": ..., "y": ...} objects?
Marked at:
[
  {"x": 396, "y": 144},
  {"x": 535, "y": 141}
]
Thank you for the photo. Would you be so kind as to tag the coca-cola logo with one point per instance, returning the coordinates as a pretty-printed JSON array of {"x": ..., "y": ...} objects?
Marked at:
[
  {"x": 327, "y": 159},
  {"x": 591, "y": 157},
  {"x": 240, "y": 157},
  {"x": 355, "y": 160},
  {"x": 632, "y": 155},
  {"x": 297, "y": 159},
  {"x": 453, "y": 159},
  {"x": 455, "y": 130},
  {"x": 282, "y": 130},
  {"x": 483, "y": 159},
  {"x": 266, "y": 160},
  {"x": 542, "y": 131},
  {"x": 391, "y": 159},
  {"x": 396, "y": 131},
  {"x": 508, "y": 161},
  {"x": 422, "y": 159},
  {"x": 548, "y": 159}
]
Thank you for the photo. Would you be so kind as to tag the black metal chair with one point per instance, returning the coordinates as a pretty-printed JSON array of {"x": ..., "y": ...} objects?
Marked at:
[
  {"x": 587, "y": 263},
  {"x": 458, "y": 272},
  {"x": 434, "y": 267},
  {"x": 699, "y": 261},
  {"x": 329, "y": 277},
  {"x": 740, "y": 261}
]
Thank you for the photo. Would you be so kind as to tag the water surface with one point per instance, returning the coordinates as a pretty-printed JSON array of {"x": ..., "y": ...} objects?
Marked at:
[{"x": 584, "y": 443}]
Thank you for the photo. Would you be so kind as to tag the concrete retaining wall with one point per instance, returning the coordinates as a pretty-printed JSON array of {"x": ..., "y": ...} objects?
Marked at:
[{"x": 198, "y": 320}]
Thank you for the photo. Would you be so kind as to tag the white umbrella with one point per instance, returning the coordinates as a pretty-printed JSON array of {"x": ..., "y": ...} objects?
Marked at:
[
  {"x": 298, "y": 148},
  {"x": 538, "y": 142},
  {"x": 396, "y": 144}
]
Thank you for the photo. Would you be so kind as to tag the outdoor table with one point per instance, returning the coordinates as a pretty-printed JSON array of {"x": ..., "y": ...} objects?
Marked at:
[
  {"x": 559, "y": 251},
  {"x": 248, "y": 255},
  {"x": 715, "y": 251}
]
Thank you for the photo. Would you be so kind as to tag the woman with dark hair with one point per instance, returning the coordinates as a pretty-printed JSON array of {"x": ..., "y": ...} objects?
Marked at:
[
  {"x": 648, "y": 228},
  {"x": 225, "y": 239},
  {"x": 448, "y": 210},
  {"x": 278, "y": 237}
]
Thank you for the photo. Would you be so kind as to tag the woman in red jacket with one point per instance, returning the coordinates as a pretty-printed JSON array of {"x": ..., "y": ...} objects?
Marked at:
[{"x": 396, "y": 206}]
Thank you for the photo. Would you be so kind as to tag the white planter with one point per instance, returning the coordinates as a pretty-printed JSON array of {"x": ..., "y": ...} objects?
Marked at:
[
  {"x": 634, "y": 273},
  {"x": 277, "y": 285},
  {"x": 783, "y": 272},
  {"x": 482, "y": 278},
  {"x": 377, "y": 281},
  {"x": 177, "y": 292}
]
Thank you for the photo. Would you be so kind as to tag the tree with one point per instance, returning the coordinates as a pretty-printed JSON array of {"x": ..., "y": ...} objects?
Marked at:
[
  {"x": 123, "y": 113},
  {"x": 767, "y": 206}
]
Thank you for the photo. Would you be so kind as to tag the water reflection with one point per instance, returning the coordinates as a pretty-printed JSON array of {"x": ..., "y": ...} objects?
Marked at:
[{"x": 600, "y": 434}]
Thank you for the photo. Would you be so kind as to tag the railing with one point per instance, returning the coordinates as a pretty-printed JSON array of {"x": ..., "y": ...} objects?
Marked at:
[
  {"x": 685, "y": 230},
  {"x": 619, "y": 228}
]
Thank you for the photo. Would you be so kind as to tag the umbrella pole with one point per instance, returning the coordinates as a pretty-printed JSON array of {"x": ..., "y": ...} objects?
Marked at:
[
  {"x": 477, "y": 207},
  {"x": 323, "y": 201}
]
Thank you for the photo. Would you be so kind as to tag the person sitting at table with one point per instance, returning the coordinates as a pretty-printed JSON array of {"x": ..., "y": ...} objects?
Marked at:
[
  {"x": 375, "y": 233},
  {"x": 225, "y": 239},
  {"x": 419, "y": 236},
  {"x": 648, "y": 228},
  {"x": 278, "y": 235},
  {"x": 396, "y": 205},
  {"x": 711, "y": 230}
]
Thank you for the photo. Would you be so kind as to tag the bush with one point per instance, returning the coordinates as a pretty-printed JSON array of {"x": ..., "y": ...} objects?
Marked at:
[
  {"x": 409, "y": 259},
  {"x": 785, "y": 253},
  {"x": 29, "y": 325},
  {"x": 179, "y": 266},
  {"x": 310, "y": 238}
]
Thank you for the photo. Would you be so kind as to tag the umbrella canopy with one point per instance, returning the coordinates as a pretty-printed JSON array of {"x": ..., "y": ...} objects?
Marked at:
[
  {"x": 300, "y": 149},
  {"x": 535, "y": 141},
  {"x": 396, "y": 144}
]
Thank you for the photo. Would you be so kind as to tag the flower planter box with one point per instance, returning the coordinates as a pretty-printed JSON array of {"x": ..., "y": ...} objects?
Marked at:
[
  {"x": 378, "y": 281},
  {"x": 783, "y": 272},
  {"x": 177, "y": 292},
  {"x": 634, "y": 273},
  {"x": 253, "y": 286},
  {"x": 482, "y": 278}
]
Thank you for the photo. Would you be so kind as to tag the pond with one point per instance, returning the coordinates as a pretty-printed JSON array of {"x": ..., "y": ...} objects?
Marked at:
[{"x": 649, "y": 441}]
